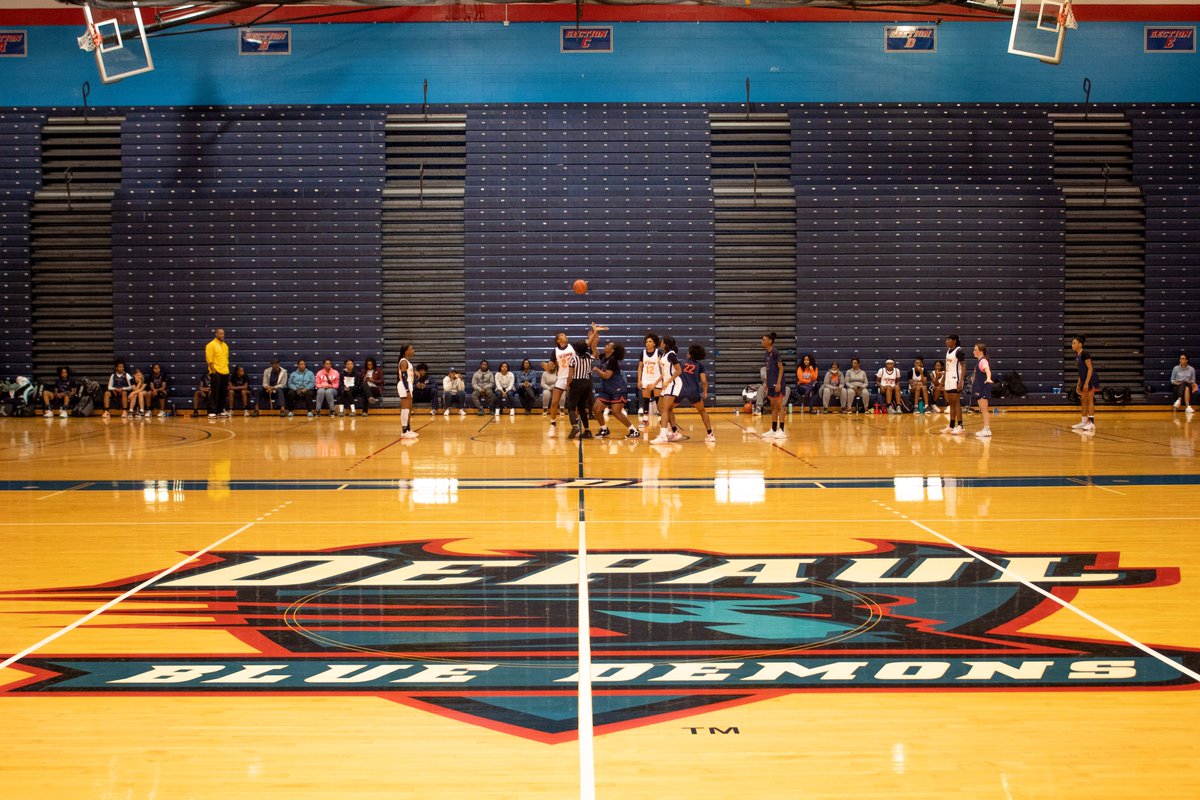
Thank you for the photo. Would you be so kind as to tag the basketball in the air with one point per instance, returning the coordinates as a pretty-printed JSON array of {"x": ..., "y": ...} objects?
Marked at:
[{"x": 580, "y": 286}]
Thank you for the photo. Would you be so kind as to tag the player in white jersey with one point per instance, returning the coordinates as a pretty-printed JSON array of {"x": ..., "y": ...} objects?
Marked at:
[
  {"x": 563, "y": 353},
  {"x": 405, "y": 383},
  {"x": 649, "y": 375},
  {"x": 953, "y": 383},
  {"x": 672, "y": 387}
]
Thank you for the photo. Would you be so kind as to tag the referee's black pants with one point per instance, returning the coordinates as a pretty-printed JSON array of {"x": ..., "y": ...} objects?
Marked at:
[{"x": 579, "y": 401}]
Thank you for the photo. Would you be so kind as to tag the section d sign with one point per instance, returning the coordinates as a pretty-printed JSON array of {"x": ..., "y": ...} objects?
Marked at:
[
  {"x": 1170, "y": 40},
  {"x": 909, "y": 39},
  {"x": 265, "y": 42},
  {"x": 14, "y": 44},
  {"x": 590, "y": 39}
]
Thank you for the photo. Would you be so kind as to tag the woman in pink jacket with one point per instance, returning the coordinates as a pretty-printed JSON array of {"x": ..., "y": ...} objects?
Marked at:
[{"x": 329, "y": 380}]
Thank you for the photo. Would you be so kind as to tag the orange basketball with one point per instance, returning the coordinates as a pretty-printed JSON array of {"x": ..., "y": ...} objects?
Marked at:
[
  {"x": 747, "y": 408},
  {"x": 580, "y": 286}
]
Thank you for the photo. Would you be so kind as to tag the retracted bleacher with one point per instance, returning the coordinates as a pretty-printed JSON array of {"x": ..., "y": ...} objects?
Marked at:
[
  {"x": 1166, "y": 162},
  {"x": 267, "y": 227},
  {"x": 20, "y": 177},
  {"x": 618, "y": 195},
  {"x": 917, "y": 222}
]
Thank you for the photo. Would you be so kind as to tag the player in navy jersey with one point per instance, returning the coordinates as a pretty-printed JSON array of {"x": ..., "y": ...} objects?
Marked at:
[
  {"x": 695, "y": 386},
  {"x": 1086, "y": 386},
  {"x": 157, "y": 384},
  {"x": 613, "y": 390},
  {"x": 60, "y": 394},
  {"x": 773, "y": 363},
  {"x": 672, "y": 387},
  {"x": 982, "y": 387}
]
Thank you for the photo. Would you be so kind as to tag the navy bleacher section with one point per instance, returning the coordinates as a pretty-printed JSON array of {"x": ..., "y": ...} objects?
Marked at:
[
  {"x": 892, "y": 253},
  {"x": 1167, "y": 165},
  {"x": 618, "y": 195},
  {"x": 20, "y": 176},
  {"x": 267, "y": 227}
]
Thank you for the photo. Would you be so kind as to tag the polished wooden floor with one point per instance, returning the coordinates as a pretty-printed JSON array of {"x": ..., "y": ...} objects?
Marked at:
[{"x": 95, "y": 508}]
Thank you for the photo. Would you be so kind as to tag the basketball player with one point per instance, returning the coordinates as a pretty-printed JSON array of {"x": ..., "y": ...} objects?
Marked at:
[
  {"x": 695, "y": 385},
  {"x": 953, "y": 382},
  {"x": 773, "y": 363},
  {"x": 613, "y": 390},
  {"x": 982, "y": 387},
  {"x": 405, "y": 384},
  {"x": 1085, "y": 387},
  {"x": 561, "y": 358},
  {"x": 672, "y": 387},
  {"x": 648, "y": 378}
]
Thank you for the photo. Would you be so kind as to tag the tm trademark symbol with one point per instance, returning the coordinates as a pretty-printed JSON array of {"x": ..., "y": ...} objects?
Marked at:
[{"x": 732, "y": 729}]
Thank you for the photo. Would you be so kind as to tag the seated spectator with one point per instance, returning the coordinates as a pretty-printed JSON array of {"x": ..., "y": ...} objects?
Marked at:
[
  {"x": 506, "y": 390},
  {"x": 370, "y": 381},
  {"x": 918, "y": 387},
  {"x": 203, "y": 394},
  {"x": 887, "y": 381},
  {"x": 138, "y": 393},
  {"x": 59, "y": 396},
  {"x": 937, "y": 382},
  {"x": 527, "y": 386},
  {"x": 301, "y": 388},
  {"x": 423, "y": 387},
  {"x": 832, "y": 386},
  {"x": 1183, "y": 380},
  {"x": 239, "y": 386},
  {"x": 483, "y": 387},
  {"x": 273, "y": 393},
  {"x": 857, "y": 390},
  {"x": 157, "y": 386},
  {"x": 806, "y": 383},
  {"x": 348, "y": 392},
  {"x": 328, "y": 381},
  {"x": 119, "y": 385},
  {"x": 454, "y": 393},
  {"x": 549, "y": 377}
]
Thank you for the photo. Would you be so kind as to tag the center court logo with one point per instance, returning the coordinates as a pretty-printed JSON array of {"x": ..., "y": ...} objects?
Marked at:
[{"x": 491, "y": 639}]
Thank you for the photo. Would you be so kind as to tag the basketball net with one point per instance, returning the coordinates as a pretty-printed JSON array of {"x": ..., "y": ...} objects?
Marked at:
[
  {"x": 90, "y": 40},
  {"x": 1066, "y": 17}
]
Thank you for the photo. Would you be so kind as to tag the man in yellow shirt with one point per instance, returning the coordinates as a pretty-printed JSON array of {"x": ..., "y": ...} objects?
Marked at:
[{"x": 216, "y": 356}]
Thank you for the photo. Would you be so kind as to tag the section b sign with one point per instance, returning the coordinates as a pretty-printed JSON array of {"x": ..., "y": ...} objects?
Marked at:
[
  {"x": 265, "y": 42},
  {"x": 589, "y": 39}
]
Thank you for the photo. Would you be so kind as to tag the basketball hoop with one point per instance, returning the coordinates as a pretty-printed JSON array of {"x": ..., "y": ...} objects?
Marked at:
[
  {"x": 1066, "y": 17},
  {"x": 90, "y": 40}
]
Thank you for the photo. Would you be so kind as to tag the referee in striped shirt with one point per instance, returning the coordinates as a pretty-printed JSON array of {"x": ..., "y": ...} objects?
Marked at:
[{"x": 579, "y": 392}]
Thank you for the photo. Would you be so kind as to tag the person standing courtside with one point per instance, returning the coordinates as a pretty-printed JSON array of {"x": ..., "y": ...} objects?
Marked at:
[
  {"x": 773, "y": 363},
  {"x": 216, "y": 356},
  {"x": 953, "y": 384}
]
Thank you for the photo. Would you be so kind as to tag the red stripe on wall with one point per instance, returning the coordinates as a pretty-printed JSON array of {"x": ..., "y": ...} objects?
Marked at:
[{"x": 593, "y": 13}]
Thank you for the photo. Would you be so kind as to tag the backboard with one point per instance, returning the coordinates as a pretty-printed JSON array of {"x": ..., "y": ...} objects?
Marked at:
[
  {"x": 118, "y": 38},
  {"x": 1038, "y": 29}
]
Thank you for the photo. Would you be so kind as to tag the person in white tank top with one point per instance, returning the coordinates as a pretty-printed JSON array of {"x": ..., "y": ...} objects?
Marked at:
[
  {"x": 561, "y": 358},
  {"x": 649, "y": 376},
  {"x": 953, "y": 382},
  {"x": 405, "y": 382}
]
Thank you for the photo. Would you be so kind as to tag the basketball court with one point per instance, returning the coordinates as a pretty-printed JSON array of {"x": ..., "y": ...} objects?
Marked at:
[{"x": 316, "y": 608}]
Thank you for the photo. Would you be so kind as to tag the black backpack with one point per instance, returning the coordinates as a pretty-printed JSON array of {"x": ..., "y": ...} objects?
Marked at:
[{"x": 1016, "y": 386}]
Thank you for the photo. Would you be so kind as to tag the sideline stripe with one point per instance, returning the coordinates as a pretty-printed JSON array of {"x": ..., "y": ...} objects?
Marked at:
[
  {"x": 1150, "y": 651},
  {"x": 793, "y": 482},
  {"x": 130, "y": 593},
  {"x": 583, "y": 714}
]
